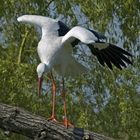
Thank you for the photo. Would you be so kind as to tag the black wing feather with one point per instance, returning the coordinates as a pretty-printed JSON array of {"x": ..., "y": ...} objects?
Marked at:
[
  {"x": 63, "y": 29},
  {"x": 100, "y": 59},
  {"x": 118, "y": 49},
  {"x": 98, "y": 35},
  {"x": 111, "y": 55},
  {"x": 117, "y": 62},
  {"x": 115, "y": 59},
  {"x": 121, "y": 54},
  {"x": 96, "y": 52},
  {"x": 107, "y": 59}
]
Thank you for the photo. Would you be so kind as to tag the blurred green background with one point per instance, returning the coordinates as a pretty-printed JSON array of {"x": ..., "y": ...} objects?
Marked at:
[{"x": 103, "y": 101}]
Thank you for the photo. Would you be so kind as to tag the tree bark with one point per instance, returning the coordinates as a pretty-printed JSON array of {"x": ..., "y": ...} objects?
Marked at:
[{"x": 17, "y": 120}]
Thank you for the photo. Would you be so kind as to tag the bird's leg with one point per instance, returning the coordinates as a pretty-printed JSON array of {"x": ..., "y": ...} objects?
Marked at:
[
  {"x": 53, "y": 116},
  {"x": 66, "y": 122}
]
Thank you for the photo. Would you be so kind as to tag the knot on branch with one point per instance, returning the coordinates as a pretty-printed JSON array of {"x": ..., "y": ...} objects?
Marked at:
[
  {"x": 41, "y": 135},
  {"x": 80, "y": 133},
  {"x": 87, "y": 137}
]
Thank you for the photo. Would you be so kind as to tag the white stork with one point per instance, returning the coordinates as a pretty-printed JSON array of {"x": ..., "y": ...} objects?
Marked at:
[{"x": 55, "y": 51}]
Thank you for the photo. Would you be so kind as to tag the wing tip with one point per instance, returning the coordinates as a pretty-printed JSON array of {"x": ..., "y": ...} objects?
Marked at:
[{"x": 112, "y": 56}]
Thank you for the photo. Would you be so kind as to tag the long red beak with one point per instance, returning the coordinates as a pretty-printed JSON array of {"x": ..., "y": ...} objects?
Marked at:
[{"x": 39, "y": 85}]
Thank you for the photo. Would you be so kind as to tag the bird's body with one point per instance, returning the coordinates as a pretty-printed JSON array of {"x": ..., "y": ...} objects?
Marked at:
[
  {"x": 57, "y": 42},
  {"x": 57, "y": 56},
  {"x": 51, "y": 51}
]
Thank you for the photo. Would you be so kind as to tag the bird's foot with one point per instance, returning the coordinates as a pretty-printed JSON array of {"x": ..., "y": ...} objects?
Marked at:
[
  {"x": 53, "y": 119},
  {"x": 67, "y": 123}
]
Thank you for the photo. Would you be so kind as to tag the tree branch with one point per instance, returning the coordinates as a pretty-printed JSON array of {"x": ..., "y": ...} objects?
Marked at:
[
  {"x": 22, "y": 46},
  {"x": 14, "y": 119}
]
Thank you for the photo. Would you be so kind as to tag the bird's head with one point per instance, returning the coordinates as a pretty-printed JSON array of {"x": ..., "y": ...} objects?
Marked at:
[{"x": 41, "y": 69}]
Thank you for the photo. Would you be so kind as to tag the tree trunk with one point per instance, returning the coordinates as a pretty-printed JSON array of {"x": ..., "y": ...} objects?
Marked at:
[{"x": 14, "y": 119}]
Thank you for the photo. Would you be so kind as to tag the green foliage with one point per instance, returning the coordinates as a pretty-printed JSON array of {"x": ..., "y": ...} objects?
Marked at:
[{"x": 103, "y": 101}]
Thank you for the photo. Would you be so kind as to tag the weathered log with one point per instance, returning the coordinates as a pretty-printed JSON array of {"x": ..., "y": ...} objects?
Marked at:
[{"x": 17, "y": 120}]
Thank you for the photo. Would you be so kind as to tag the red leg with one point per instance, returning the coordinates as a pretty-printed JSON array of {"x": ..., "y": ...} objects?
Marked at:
[
  {"x": 53, "y": 116},
  {"x": 66, "y": 121}
]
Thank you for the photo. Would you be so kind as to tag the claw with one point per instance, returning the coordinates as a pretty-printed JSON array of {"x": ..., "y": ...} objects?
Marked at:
[
  {"x": 67, "y": 123},
  {"x": 52, "y": 119}
]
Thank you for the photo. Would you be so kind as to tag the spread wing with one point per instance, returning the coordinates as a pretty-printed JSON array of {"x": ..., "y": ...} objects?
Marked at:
[{"x": 106, "y": 53}]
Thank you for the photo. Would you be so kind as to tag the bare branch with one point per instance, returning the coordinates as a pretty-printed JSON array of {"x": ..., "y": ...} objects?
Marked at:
[{"x": 17, "y": 120}]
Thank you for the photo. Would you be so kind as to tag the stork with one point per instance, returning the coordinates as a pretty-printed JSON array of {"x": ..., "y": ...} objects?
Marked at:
[{"x": 55, "y": 52}]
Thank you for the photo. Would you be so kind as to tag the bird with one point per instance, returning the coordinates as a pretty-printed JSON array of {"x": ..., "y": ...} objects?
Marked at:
[{"x": 55, "y": 52}]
